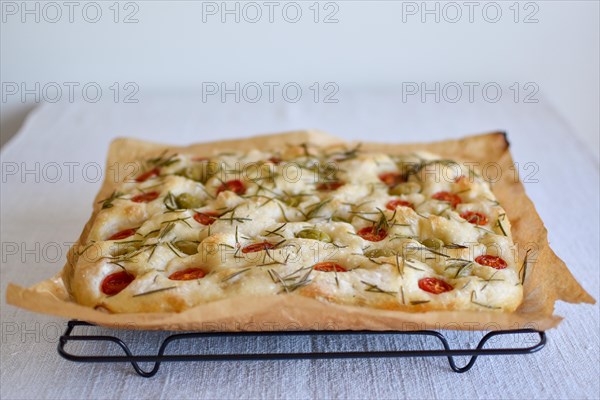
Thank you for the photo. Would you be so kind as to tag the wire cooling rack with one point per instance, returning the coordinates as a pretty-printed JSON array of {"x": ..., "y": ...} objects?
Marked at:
[{"x": 162, "y": 356}]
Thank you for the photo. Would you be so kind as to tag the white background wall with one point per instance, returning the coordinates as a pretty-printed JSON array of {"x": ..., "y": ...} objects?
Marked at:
[{"x": 176, "y": 46}]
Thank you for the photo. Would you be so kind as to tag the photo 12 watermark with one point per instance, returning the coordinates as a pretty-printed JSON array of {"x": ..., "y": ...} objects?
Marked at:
[
  {"x": 35, "y": 172},
  {"x": 453, "y": 12},
  {"x": 269, "y": 92},
  {"x": 71, "y": 92},
  {"x": 56, "y": 12},
  {"x": 469, "y": 92},
  {"x": 252, "y": 12}
]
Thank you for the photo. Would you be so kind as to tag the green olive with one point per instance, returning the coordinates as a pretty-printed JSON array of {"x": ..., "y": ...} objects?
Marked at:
[
  {"x": 313, "y": 234},
  {"x": 376, "y": 253},
  {"x": 433, "y": 243},
  {"x": 186, "y": 200},
  {"x": 199, "y": 172},
  {"x": 188, "y": 247},
  {"x": 406, "y": 188}
]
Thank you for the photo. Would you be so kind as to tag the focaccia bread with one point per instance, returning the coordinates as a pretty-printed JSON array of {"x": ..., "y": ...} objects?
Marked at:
[{"x": 409, "y": 232}]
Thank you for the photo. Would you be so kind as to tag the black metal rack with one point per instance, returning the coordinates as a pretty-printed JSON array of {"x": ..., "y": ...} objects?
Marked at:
[{"x": 161, "y": 357}]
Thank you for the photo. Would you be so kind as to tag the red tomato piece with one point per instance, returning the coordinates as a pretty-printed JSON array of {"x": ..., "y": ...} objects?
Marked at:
[
  {"x": 148, "y": 174},
  {"x": 491, "y": 261},
  {"x": 329, "y": 186},
  {"x": 145, "y": 197},
  {"x": 122, "y": 234},
  {"x": 254, "y": 247},
  {"x": 329, "y": 266},
  {"x": 392, "y": 204},
  {"x": 451, "y": 198},
  {"x": 187, "y": 274},
  {"x": 275, "y": 160},
  {"x": 206, "y": 218},
  {"x": 392, "y": 178},
  {"x": 116, "y": 282},
  {"x": 372, "y": 234},
  {"x": 434, "y": 285},
  {"x": 474, "y": 217},
  {"x": 236, "y": 186}
]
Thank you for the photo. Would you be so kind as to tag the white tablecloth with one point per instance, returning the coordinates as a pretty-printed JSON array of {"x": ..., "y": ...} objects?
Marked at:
[{"x": 49, "y": 215}]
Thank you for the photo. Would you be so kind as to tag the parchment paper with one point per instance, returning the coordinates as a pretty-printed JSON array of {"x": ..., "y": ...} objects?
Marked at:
[{"x": 547, "y": 279}]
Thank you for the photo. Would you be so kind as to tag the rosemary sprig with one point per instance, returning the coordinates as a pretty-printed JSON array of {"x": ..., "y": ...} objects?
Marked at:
[
  {"x": 86, "y": 248},
  {"x": 455, "y": 246},
  {"x": 303, "y": 281},
  {"x": 108, "y": 202},
  {"x": 400, "y": 269},
  {"x": 162, "y": 161},
  {"x": 237, "y": 273},
  {"x": 170, "y": 202},
  {"x": 462, "y": 268},
  {"x": 407, "y": 263},
  {"x": 483, "y": 229},
  {"x": 458, "y": 259},
  {"x": 174, "y": 249},
  {"x": 491, "y": 279},
  {"x": 428, "y": 249},
  {"x": 316, "y": 207},
  {"x": 292, "y": 275},
  {"x": 499, "y": 223},
  {"x": 276, "y": 277},
  {"x": 345, "y": 154},
  {"x": 523, "y": 270},
  {"x": 371, "y": 287},
  {"x": 285, "y": 218},
  {"x": 154, "y": 291},
  {"x": 398, "y": 237},
  {"x": 383, "y": 223},
  {"x": 175, "y": 220}
]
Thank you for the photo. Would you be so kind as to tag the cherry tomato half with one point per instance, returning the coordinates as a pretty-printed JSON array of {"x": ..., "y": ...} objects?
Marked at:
[
  {"x": 116, "y": 282},
  {"x": 491, "y": 261},
  {"x": 329, "y": 266},
  {"x": 187, "y": 274},
  {"x": 145, "y": 197},
  {"x": 474, "y": 217},
  {"x": 122, "y": 234},
  {"x": 236, "y": 186},
  {"x": 392, "y": 178},
  {"x": 434, "y": 285},
  {"x": 254, "y": 247},
  {"x": 372, "y": 234},
  {"x": 451, "y": 198},
  {"x": 147, "y": 175},
  {"x": 392, "y": 204},
  {"x": 329, "y": 186},
  {"x": 206, "y": 218}
]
